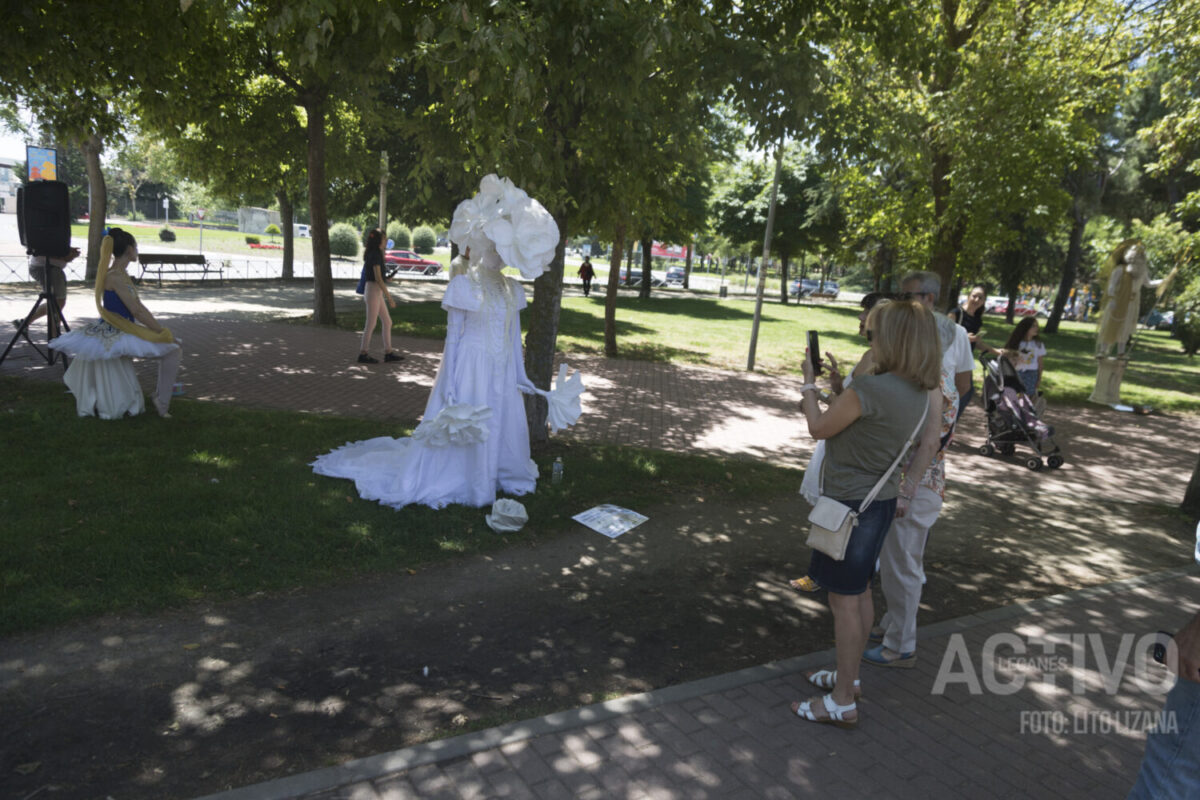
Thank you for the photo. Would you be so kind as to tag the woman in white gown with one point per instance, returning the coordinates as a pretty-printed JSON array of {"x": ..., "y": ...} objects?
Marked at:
[{"x": 473, "y": 441}]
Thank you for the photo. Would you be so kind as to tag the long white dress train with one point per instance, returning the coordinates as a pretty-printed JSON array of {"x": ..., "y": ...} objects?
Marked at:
[{"x": 473, "y": 441}]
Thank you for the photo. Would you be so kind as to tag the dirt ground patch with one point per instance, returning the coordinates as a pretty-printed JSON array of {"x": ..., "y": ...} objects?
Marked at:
[{"x": 212, "y": 697}]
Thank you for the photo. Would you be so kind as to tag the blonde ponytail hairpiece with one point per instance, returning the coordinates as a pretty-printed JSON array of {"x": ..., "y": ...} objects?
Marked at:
[{"x": 116, "y": 320}]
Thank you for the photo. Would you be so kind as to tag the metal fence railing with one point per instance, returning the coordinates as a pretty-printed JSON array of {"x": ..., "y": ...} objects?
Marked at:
[{"x": 15, "y": 269}]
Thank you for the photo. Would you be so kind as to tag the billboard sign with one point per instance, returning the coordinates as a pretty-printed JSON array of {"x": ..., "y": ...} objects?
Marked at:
[
  {"x": 41, "y": 163},
  {"x": 660, "y": 250}
]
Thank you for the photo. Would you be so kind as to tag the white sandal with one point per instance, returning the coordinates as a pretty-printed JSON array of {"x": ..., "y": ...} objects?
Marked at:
[
  {"x": 826, "y": 678},
  {"x": 836, "y": 713}
]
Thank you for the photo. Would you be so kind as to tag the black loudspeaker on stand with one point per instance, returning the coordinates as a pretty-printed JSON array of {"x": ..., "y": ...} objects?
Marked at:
[{"x": 44, "y": 225}]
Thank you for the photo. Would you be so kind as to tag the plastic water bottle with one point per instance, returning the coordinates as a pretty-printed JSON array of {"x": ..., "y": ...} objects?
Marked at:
[{"x": 557, "y": 471}]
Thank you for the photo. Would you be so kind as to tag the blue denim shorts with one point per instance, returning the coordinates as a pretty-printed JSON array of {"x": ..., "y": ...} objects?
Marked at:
[{"x": 852, "y": 575}]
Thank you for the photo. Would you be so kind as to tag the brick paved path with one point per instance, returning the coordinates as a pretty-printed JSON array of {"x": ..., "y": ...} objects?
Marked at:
[{"x": 1036, "y": 729}]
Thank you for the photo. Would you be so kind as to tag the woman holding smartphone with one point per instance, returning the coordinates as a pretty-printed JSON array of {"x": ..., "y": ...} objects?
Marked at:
[
  {"x": 837, "y": 384},
  {"x": 865, "y": 428}
]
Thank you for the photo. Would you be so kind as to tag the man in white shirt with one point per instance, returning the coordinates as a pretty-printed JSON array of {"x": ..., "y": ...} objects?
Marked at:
[
  {"x": 925, "y": 287},
  {"x": 901, "y": 562}
]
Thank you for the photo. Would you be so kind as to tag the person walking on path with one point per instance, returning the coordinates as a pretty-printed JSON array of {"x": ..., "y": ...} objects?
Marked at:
[
  {"x": 586, "y": 273},
  {"x": 373, "y": 288},
  {"x": 865, "y": 428}
]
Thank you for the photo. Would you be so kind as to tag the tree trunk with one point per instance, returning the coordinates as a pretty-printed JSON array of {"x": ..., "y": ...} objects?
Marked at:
[
  {"x": 542, "y": 336},
  {"x": 687, "y": 265},
  {"x": 955, "y": 292},
  {"x": 1191, "y": 497},
  {"x": 647, "y": 261},
  {"x": 947, "y": 235},
  {"x": 1070, "y": 266},
  {"x": 97, "y": 202},
  {"x": 610, "y": 293},
  {"x": 289, "y": 242},
  {"x": 323, "y": 311},
  {"x": 783, "y": 277}
]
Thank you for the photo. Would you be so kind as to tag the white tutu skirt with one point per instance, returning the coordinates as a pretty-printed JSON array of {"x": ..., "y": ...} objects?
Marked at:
[
  {"x": 106, "y": 388},
  {"x": 101, "y": 375},
  {"x": 99, "y": 340}
]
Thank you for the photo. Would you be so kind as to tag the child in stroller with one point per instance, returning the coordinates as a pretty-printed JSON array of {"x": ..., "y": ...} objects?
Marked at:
[{"x": 1011, "y": 417}]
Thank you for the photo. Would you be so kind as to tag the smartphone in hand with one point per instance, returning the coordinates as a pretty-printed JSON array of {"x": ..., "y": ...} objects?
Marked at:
[
  {"x": 1159, "y": 653},
  {"x": 814, "y": 351}
]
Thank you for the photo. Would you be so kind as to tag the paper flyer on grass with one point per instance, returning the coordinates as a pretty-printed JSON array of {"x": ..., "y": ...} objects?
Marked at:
[{"x": 610, "y": 520}]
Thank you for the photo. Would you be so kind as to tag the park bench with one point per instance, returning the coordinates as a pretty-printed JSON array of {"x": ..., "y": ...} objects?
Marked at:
[{"x": 179, "y": 264}]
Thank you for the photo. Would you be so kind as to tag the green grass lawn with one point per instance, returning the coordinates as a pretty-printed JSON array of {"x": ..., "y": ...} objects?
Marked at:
[
  {"x": 713, "y": 332},
  {"x": 218, "y": 502}
]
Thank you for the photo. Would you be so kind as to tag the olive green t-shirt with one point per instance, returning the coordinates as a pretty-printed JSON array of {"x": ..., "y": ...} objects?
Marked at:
[{"x": 857, "y": 457}]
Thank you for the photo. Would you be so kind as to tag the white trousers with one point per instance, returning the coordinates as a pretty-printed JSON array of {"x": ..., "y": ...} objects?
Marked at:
[{"x": 901, "y": 570}]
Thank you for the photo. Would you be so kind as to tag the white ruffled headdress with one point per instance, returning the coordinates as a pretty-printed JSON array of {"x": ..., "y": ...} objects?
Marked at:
[{"x": 522, "y": 230}]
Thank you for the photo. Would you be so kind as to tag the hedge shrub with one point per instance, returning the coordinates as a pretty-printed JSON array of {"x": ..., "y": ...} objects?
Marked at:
[
  {"x": 166, "y": 235},
  {"x": 343, "y": 240},
  {"x": 253, "y": 240},
  {"x": 400, "y": 235},
  {"x": 424, "y": 240},
  {"x": 272, "y": 229}
]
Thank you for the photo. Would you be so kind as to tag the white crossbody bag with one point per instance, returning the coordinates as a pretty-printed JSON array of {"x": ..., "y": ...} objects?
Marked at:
[{"x": 833, "y": 522}]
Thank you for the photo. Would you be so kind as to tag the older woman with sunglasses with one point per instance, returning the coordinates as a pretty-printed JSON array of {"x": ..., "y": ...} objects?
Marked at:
[{"x": 865, "y": 428}]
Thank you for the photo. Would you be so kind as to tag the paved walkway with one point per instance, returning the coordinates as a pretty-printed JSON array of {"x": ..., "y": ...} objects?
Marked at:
[
  {"x": 1058, "y": 710},
  {"x": 1060, "y": 734}
]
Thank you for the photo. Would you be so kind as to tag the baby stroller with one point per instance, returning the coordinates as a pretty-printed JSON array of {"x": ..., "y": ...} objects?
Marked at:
[{"x": 1011, "y": 417}]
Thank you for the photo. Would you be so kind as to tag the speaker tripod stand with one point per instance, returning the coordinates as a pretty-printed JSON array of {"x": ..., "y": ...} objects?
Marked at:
[{"x": 56, "y": 324}]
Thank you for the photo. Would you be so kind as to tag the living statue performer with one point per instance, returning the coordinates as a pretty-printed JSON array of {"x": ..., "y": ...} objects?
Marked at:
[
  {"x": 1127, "y": 271},
  {"x": 473, "y": 441},
  {"x": 101, "y": 376}
]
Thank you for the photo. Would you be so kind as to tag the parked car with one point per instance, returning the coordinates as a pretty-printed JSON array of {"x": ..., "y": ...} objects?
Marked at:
[
  {"x": 408, "y": 261},
  {"x": 674, "y": 276},
  {"x": 625, "y": 279},
  {"x": 827, "y": 289},
  {"x": 803, "y": 288}
]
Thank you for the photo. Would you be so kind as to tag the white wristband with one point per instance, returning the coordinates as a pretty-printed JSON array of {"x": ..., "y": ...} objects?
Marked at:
[{"x": 807, "y": 386}]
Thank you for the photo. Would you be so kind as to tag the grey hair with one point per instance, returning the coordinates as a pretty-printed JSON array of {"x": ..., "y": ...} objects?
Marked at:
[{"x": 930, "y": 282}]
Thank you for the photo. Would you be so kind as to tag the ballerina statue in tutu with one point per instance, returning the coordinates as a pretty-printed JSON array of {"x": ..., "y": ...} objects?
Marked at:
[
  {"x": 473, "y": 441},
  {"x": 101, "y": 376}
]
